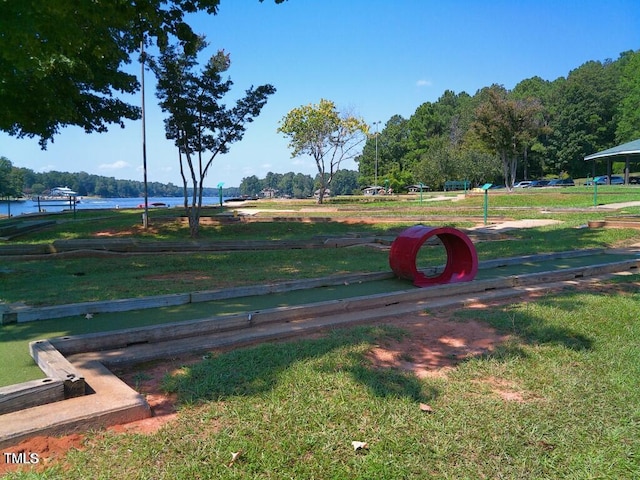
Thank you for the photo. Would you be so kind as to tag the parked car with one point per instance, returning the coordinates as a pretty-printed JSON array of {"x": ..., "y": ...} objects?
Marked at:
[
  {"x": 562, "y": 182},
  {"x": 539, "y": 183},
  {"x": 634, "y": 180},
  {"x": 616, "y": 180},
  {"x": 604, "y": 180},
  {"x": 523, "y": 184}
]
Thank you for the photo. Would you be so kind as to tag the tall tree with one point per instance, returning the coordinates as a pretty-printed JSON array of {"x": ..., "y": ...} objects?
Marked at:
[
  {"x": 201, "y": 126},
  {"x": 448, "y": 117},
  {"x": 535, "y": 155},
  {"x": 584, "y": 115},
  {"x": 345, "y": 182},
  {"x": 327, "y": 136},
  {"x": 385, "y": 153},
  {"x": 11, "y": 180},
  {"x": 628, "y": 126},
  {"x": 62, "y": 62},
  {"x": 251, "y": 186},
  {"x": 507, "y": 126}
]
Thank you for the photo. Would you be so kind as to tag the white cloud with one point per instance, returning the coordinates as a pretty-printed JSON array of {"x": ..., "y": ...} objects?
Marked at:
[
  {"x": 423, "y": 83},
  {"x": 114, "y": 166}
]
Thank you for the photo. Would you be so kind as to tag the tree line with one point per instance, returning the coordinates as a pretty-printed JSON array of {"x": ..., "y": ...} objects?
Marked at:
[
  {"x": 539, "y": 128},
  {"x": 16, "y": 181},
  {"x": 298, "y": 185}
]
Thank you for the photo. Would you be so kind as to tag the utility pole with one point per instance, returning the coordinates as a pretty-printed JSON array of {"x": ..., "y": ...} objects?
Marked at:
[
  {"x": 145, "y": 220},
  {"x": 375, "y": 181}
]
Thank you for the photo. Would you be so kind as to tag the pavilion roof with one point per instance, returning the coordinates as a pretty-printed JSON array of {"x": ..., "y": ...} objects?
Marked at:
[{"x": 629, "y": 148}]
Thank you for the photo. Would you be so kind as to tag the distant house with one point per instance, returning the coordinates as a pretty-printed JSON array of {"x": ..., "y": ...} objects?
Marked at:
[
  {"x": 327, "y": 193},
  {"x": 374, "y": 190},
  {"x": 269, "y": 193},
  {"x": 416, "y": 188}
]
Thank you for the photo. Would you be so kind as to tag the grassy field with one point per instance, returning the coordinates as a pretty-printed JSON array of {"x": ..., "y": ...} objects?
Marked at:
[
  {"x": 293, "y": 409},
  {"x": 67, "y": 279}
]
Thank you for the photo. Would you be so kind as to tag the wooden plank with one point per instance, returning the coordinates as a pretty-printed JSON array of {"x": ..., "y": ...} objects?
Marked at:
[
  {"x": 54, "y": 365},
  {"x": 540, "y": 257},
  {"x": 36, "y": 249},
  {"x": 577, "y": 272},
  {"x": 293, "y": 285},
  {"x": 111, "y": 403},
  {"x": 82, "y": 308},
  {"x": 292, "y": 319},
  {"x": 74, "y": 344},
  {"x": 30, "y": 394}
]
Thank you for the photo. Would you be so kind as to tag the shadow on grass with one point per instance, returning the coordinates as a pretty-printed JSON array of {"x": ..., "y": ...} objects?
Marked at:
[
  {"x": 252, "y": 371},
  {"x": 537, "y": 326}
]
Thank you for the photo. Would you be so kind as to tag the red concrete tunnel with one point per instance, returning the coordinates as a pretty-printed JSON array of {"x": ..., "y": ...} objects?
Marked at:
[{"x": 462, "y": 259}]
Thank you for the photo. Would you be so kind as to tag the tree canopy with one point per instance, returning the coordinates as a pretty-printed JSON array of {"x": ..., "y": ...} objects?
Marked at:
[
  {"x": 325, "y": 134},
  {"x": 201, "y": 126},
  {"x": 62, "y": 63},
  {"x": 507, "y": 126},
  {"x": 10, "y": 179},
  {"x": 547, "y": 129}
]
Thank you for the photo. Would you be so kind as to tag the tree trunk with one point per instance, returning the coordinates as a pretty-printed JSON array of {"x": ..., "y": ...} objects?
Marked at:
[
  {"x": 509, "y": 167},
  {"x": 194, "y": 211},
  {"x": 184, "y": 185},
  {"x": 194, "y": 222}
]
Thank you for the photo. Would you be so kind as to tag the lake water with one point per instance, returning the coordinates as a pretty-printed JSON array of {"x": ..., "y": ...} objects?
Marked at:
[{"x": 86, "y": 203}]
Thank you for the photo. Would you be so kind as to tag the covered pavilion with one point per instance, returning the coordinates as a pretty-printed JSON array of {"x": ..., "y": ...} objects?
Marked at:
[{"x": 629, "y": 152}]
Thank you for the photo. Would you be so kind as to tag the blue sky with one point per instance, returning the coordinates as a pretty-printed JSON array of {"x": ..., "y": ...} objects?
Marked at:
[{"x": 374, "y": 58}]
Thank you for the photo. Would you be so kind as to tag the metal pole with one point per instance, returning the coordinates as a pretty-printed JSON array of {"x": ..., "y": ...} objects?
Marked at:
[
  {"x": 145, "y": 220},
  {"x": 486, "y": 205},
  {"x": 220, "y": 192},
  {"x": 375, "y": 181}
]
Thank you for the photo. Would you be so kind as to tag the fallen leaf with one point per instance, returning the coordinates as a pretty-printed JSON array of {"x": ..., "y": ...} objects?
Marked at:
[
  {"x": 359, "y": 445},
  {"x": 426, "y": 408},
  {"x": 234, "y": 457}
]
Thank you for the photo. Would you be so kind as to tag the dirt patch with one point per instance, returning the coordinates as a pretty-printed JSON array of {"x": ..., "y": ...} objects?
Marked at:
[
  {"x": 147, "y": 380},
  {"x": 435, "y": 344},
  {"x": 38, "y": 453},
  {"x": 125, "y": 233},
  {"x": 506, "y": 390}
]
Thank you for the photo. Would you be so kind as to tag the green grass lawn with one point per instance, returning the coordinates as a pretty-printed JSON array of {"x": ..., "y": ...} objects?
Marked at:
[
  {"x": 293, "y": 409},
  {"x": 50, "y": 280}
]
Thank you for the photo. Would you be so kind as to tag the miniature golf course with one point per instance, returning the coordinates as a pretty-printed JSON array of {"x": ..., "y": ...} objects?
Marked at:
[
  {"x": 56, "y": 378},
  {"x": 20, "y": 366}
]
